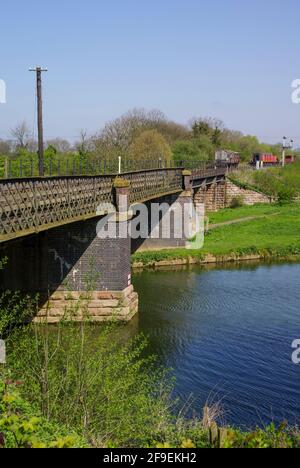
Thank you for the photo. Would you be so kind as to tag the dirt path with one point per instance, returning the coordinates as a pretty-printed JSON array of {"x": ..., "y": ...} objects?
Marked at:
[{"x": 239, "y": 221}]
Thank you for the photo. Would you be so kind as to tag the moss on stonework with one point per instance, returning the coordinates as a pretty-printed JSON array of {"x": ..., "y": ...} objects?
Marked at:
[
  {"x": 121, "y": 183},
  {"x": 186, "y": 173}
]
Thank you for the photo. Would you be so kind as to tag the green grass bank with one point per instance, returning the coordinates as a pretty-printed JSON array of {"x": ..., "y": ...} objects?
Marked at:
[{"x": 272, "y": 232}]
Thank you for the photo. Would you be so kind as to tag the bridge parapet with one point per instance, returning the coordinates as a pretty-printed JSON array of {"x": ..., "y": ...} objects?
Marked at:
[
  {"x": 146, "y": 185},
  {"x": 32, "y": 205},
  {"x": 212, "y": 171}
]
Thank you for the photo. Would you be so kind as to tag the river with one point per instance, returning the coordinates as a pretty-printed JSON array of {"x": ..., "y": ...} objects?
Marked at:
[{"x": 227, "y": 334}]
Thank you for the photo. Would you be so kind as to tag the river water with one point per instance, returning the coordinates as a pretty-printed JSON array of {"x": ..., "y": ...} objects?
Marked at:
[{"x": 227, "y": 334}]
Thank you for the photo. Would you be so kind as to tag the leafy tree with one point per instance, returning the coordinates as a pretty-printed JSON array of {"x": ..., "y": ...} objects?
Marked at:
[
  {"x": 150, "y": 146},
  {"x": 185, "y": 150},
  {"x": 118, "y": 136},
  {"x": 217, "y": 137},
  {"x": 205, "y": 147},
  {"x": 50, "y": 152},
  {"x": 201, "y": 127}
]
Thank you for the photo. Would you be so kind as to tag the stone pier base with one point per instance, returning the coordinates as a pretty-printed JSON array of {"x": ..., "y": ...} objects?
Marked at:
[{"x": 95, "y": 306}]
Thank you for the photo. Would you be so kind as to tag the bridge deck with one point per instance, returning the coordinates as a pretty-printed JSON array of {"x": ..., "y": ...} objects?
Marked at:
[{"x": 32, "y": 205}]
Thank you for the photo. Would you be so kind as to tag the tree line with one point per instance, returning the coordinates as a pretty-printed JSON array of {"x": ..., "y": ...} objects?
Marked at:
[{"x": 142, "y": 135}]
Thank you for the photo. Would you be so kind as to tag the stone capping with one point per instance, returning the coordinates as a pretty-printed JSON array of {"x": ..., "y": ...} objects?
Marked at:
[
  {"x": 186, "y": 194},
  {"x": 120, "y": 183},
  {"x": 187, "y": 173}
]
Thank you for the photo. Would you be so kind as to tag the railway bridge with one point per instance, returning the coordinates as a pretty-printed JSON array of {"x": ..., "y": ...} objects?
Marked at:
[{"x": 48, "y": 233}]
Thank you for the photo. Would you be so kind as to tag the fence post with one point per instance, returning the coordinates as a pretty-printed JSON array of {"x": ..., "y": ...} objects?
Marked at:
[
  {"x": 187, "y": 180},
  {"x": 6, "y": 169},
  {"x": 122, "y": 187}
]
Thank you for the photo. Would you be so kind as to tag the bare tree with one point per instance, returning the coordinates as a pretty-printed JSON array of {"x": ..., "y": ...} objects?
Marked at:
[
  {"x": 118, "y": 135},
  {"x": 85, "y": 143},
  {"x": 32, "y": 145},
  {"x": 21, "y": 133},
  {"x": 5, "y": 147},
  {"x": 61, "y": 145}
]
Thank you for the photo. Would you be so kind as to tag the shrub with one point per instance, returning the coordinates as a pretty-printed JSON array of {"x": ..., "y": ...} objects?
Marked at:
[
  {"x": 237, "y": 202},
  {"x": 85, "y": 377},
  {"x": 21, "y": 426},
  {"x": 286, "y": 195}
]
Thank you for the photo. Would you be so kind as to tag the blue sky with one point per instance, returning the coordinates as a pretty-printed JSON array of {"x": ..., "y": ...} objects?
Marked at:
[{"x": 230, "y": 59}]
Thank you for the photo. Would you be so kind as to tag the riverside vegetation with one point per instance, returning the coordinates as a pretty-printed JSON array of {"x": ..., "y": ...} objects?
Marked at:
[
  {"x": 282, "y": 184},
  {"x": 80, "y": 388},
  {"x": 69, "y": 386}
]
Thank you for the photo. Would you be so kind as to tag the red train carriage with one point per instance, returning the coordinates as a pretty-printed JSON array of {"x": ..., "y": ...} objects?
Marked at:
[
  {"x": 290, "y": 159},
  {"x": 265, "y": 159}
]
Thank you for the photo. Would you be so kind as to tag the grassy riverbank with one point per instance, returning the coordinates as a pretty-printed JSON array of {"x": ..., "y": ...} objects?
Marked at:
[
  {"x": 272, "y": 231},
  {"x": 89, "y": 386},
  {"x": 107, "y": 414},
  {"x": 282, "y": 184}
]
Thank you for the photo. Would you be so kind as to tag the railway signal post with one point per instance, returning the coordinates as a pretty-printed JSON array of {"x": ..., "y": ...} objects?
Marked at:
[{"x": 285, "y": 146}]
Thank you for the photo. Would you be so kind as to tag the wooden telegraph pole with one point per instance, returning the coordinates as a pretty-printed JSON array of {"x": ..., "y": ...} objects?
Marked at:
[{"x": 39, "y": 71}]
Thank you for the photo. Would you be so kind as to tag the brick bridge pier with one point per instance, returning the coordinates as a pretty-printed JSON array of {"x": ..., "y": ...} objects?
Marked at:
[{"x": 48, "y": 232}]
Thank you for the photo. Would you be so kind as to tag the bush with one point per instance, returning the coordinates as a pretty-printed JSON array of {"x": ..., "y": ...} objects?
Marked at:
[
  {"x": 286, "y": 195},
  {"x": 237, "y": 202},
  {"x": 21, "y": 426},
  {"x": 85, "y": 377},
  {"x": 282, "y": 184}
]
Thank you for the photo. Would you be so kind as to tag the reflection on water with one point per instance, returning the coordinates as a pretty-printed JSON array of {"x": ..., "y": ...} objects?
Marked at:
[{"x": 227, "y": 332}]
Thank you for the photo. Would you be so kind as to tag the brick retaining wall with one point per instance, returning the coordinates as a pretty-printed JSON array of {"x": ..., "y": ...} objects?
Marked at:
[{"x": 250, "y": 197}]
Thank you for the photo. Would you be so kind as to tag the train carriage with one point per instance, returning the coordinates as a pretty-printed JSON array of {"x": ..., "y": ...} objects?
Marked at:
[
  {"x": 228, "y": 157},
  {"x": 265, "y": 159}
]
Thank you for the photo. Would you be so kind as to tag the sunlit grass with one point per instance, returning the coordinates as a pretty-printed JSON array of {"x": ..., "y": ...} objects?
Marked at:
[{"x": 275, "y": 233}]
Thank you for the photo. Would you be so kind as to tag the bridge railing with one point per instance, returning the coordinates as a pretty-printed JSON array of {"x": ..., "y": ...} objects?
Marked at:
[
  {"x": 29, "y": 205},
  {"x": 20, "y": 168},
  {"x": 145, "y": 185}
]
